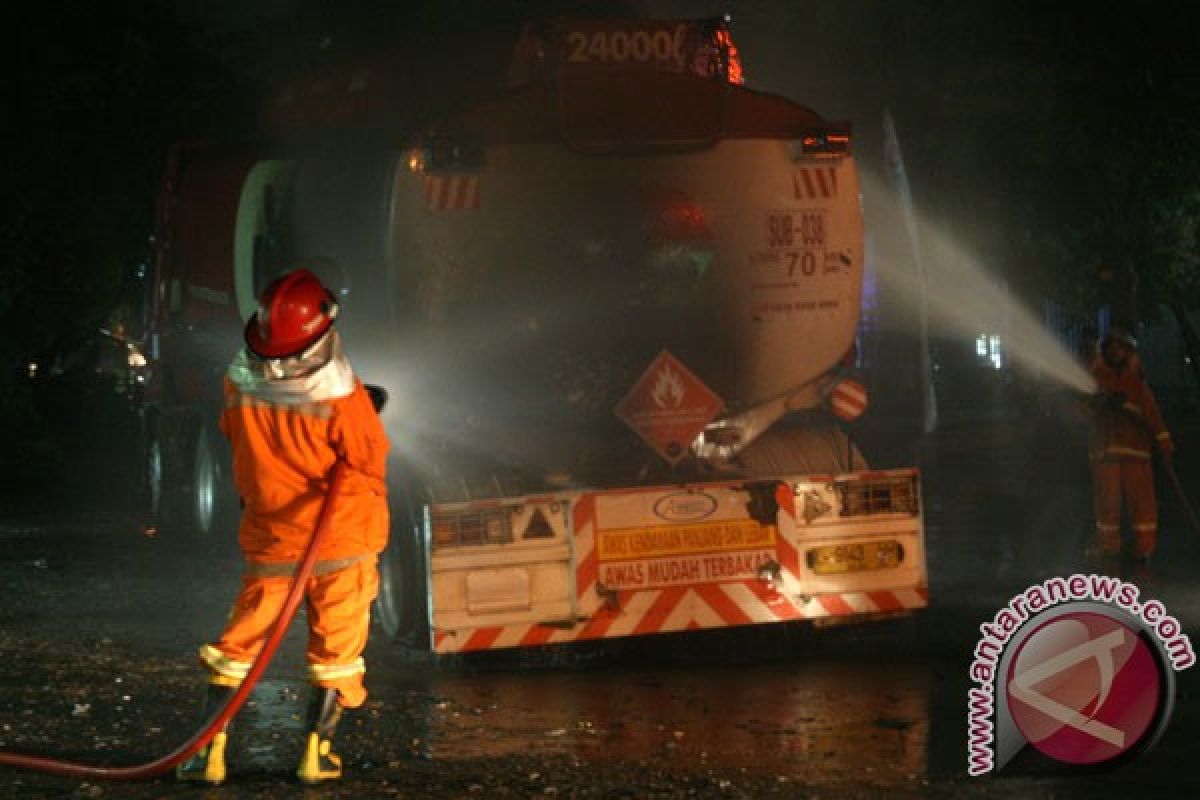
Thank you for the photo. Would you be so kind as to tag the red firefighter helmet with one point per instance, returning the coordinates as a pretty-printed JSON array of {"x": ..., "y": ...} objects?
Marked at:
[{"x": 293, "y": 312}]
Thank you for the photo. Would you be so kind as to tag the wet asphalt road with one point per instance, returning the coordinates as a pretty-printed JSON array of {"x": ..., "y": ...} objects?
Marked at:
[{"x": 99, "y": 621}]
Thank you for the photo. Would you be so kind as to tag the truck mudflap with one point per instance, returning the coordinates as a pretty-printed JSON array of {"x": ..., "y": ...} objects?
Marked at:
[{"x": 575, "y": 566}]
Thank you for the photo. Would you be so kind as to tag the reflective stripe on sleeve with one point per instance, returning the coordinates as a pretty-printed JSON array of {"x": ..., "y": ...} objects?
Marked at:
[
  {"x": 1163, "y": 436},
  {"x": 333, "y": 672},
  {"x": 219, "y": 663},
  {"x": 1146, "y": 527}
]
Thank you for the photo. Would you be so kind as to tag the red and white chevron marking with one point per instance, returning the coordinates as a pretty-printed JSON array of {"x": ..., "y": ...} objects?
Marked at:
[
  {"x": 587, "y": 562},
  {"x": 682, "y": 608},
  {"x": 815, "y": 183},
  {"x": 674, "y": 608},
  {"x": 452, "y": 192}
]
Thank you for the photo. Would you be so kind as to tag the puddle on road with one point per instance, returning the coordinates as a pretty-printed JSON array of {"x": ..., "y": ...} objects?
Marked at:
[
  {"x": 826, "y": 722},
  {"x": 269, "y": 725}
]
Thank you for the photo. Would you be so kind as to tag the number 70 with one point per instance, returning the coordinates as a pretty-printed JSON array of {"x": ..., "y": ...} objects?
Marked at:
[{"x": 807, "y": 261}]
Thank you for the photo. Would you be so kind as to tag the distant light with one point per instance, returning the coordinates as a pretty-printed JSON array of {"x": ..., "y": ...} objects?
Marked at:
[
  {"x": 994, "y": 350},
  {"x": 989, "y": 348},
  {"x": 33, "y": 369}
]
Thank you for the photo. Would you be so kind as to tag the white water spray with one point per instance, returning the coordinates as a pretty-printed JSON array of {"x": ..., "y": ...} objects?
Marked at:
[{"x": 963, "y": 298}]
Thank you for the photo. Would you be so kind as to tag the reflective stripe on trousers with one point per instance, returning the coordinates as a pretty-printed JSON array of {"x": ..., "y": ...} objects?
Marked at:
[
  {"x": 338, "y": 606},
  {"x": 1127, "y": 484},
  {"x": 226, "y": 671}
]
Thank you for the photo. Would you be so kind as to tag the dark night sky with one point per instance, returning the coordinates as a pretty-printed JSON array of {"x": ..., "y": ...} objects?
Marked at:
[
  {"x": 967, "y": 81},
  {"x": 996, "y": 103},
  {"x": 1050, "y": 135}
]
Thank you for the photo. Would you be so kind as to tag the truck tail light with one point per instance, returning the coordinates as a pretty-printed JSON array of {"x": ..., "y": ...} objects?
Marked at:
[
  {"x": 467, "y": 528},
  {"x": 883, "y": 495},
  {"x": 496, "y": 524},
  {"x": 816, "y": 143}
]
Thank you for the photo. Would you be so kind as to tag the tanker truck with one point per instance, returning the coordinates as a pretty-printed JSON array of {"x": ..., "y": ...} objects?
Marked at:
[{"x": 614, "y": 305}]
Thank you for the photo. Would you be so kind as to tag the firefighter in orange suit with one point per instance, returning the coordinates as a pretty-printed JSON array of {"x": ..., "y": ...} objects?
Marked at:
[
  {"x": 1127, "y": 427},
  {"x": 293, "y": 407}
]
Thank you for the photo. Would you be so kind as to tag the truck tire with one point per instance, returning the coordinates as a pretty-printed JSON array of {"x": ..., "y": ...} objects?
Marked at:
[
  {"x": 167, "y": 496},
  {"x": 401, "y": 603},
  {"x": 188, "y": 479},
  {"x": 207, "y": 482},
  {"x": 153, "y": 477}
]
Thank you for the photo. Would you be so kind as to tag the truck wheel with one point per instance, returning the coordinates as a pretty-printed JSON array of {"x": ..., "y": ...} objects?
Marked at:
[
  {"x": 400, "y": 604},
  {"x": 188, "y": 484},
  {"x": 206, "y": 482},
  {"x": 153, "y": 477},
  {"x": 214, "y": 498},
  {"x": 167, "y": 470}
]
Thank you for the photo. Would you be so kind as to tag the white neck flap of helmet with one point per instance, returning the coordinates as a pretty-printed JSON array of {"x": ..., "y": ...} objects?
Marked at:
[{"x": 322, "y": 372}]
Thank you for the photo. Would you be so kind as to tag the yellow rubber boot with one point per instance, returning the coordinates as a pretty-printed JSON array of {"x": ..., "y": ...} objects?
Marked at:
[
  {"x": 208, "y": 765},
  {"x": 319, "y": 763}
]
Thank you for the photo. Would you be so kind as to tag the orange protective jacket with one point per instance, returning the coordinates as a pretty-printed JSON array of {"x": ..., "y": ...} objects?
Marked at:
[
  {"x": 1131, "y": 431},
  {"x": 282, "y": 456}
]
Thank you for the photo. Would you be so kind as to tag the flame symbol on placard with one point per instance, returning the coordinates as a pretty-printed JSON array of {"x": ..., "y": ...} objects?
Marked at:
[{"x": 668, "y": 389}]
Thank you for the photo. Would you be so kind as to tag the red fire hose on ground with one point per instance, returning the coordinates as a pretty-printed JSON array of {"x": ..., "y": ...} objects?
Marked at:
[
  {"x": 202, "y": 737},
  {"x": 1173, "y": 478}
]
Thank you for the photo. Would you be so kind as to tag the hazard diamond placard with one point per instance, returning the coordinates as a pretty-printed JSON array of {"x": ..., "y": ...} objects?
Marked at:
[{"x": 669, "y": 407}]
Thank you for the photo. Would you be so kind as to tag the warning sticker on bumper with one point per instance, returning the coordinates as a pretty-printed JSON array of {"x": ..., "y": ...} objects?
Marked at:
[
  {"x": 668, "y": 540},
  {"x": 708, "y": 568}
]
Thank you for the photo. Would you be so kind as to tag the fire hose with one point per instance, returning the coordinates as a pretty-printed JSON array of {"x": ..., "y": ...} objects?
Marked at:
[
  {"x": 1177, "y": 485},
  {"x": 204, "y": 735}
]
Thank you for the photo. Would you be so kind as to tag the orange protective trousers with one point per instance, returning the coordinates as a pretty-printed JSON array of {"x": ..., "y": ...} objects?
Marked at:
[
  {"x": 1129, "y": 481},
  {"x": 338, "y": 607}
]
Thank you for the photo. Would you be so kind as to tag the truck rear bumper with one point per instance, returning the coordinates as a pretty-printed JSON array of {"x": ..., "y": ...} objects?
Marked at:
[{"x": 629, "y": 562}]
